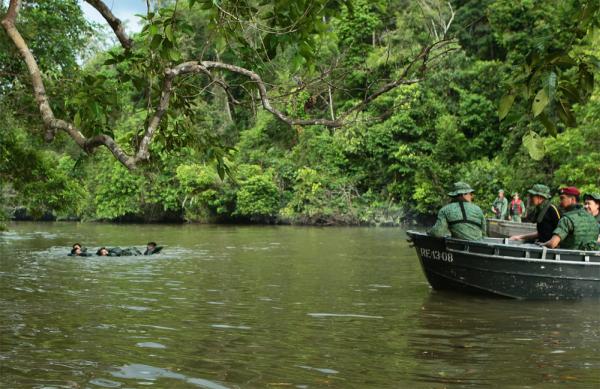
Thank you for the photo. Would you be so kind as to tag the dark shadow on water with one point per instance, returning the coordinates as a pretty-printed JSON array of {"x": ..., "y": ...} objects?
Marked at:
[{"x": 473, "y": 341}]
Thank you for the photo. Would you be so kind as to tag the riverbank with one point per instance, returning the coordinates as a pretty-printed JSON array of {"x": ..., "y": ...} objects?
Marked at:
[{"x": 393, "y": 216}]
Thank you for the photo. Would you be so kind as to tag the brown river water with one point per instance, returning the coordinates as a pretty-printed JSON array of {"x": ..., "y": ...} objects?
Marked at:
[{"x": 267, "y": 307}]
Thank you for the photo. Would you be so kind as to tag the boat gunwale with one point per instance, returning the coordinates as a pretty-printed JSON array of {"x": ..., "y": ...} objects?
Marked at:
[
  {"x": 461, "y": 265},
  {"x": 523, "y": 259},
  {"x": 583, "y": 254},
  {"x": 494, "y": 220}
]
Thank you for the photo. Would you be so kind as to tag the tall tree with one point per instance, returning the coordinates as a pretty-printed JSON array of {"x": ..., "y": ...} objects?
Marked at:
[{"x": 154, "y": 65}]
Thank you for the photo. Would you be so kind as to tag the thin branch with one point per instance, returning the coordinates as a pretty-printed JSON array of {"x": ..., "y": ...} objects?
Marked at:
[
  {"x": 266, "y": 103},
  {"x": 114, "y": 22},
  {"x": 449, "y": 22}
]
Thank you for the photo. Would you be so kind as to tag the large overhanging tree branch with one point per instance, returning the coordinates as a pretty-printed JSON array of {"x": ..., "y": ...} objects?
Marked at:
[
  {"x": 169, "y": 75},
  {"x": 114, "y": 22}
]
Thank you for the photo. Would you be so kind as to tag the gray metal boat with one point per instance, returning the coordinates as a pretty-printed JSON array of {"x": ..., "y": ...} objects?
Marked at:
[
  {"x": 506, "y": 268},
  {"x": 506, "y": 228}
]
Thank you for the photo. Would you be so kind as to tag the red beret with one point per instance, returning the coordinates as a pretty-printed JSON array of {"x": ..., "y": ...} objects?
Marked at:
[{"x": 570, "y": 191}]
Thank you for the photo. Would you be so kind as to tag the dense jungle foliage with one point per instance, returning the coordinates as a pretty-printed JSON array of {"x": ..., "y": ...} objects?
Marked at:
[{"x": 238, "y": 163}]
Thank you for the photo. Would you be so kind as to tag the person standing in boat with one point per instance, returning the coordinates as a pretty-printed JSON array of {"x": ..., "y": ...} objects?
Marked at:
[
  {"x": 591, "y": 203},
  {"x": 577, "y": 229},
  {"x": 545, "y": 215},
  {"x": 516, "y": 210},
  {"x": 500, "y": 206},
  {"x": 461, "y": 218}
]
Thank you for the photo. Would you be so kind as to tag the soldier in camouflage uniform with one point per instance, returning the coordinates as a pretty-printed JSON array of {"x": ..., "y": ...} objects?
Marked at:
[
  {"x": 577, "y": 229},
  {"x": 545, "y": 215},
  {"x": 500, "y": 206},
  {"x": 117, "y": 252},
  {"x": 461, "y": 218},
  {"x": 592, "y": 206}
]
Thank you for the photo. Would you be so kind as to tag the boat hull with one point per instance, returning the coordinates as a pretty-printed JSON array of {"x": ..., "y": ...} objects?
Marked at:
[{"x": 494, "y": 267}]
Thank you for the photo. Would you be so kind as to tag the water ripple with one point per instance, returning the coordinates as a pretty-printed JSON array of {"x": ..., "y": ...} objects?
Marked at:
[
  {"x": 151, "y": 373},
  {"x": 151, "y": 345},
  {"x": 344, "y": 315}
]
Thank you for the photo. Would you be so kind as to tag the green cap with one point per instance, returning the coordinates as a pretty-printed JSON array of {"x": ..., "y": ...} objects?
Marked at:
[
  {"x": 540, "y": 190},
  {"x": 593, "y": 196},
  {"x": 460, "y": 188},
  {"x": 500, "y": 190}
]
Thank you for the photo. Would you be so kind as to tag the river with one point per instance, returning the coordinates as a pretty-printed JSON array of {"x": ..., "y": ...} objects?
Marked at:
[{"x": 267, "y": 307}]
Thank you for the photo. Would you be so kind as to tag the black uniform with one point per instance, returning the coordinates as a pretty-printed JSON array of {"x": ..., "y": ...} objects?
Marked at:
[{"x": 547, "y": 217}]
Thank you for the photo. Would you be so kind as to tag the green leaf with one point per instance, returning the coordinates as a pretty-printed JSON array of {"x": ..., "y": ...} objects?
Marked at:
[
  {"x": 506, "y": 103},
  {"x": 586, "y": 81},
  {"x": 110, "y": 61},
  {"x": 551, "y": 85},
  {"x": 186, "y": 28},
  {"x": 534, "y": 145},
  {"x": 270, "y": 43},
  {"x": 533, "y": 58},
  {"x": 570, "y": 92},
  {"x": 138, "y": 82},
  {"x": 156, "y": 41},
  {"x": 564, "y": 61},
  {"x": 169, "y": 33},
  {"x": 306, "y": 50},
  {"x": 220, "y": 169},
  {"x": 96, "y": 110},
  {"x": 174, "y": 55},
  {"x": 565, "y": 114},
  {"x": 554, "y": 55},
  {"x": 89, "y": 80},
  {"x": 321, "y": 26},
  {"x": 540, "y": 101},
  {"x": 77, "y": 120},
  {"x": 588, "y": 12},
  {"x": 550, "y": 127},
  {"x": 207, "y": 4},
  {"x": 524, "y": 90},
  {"x": 594, "y": 61}
]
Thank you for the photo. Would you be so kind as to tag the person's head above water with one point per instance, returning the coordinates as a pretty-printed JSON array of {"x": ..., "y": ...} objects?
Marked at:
[
  {"x": 152, "y": 248},
  {"x": 76, "y": 250},
  {"x": 102, "y": 251},
  {"x": 75, "y": 245}
]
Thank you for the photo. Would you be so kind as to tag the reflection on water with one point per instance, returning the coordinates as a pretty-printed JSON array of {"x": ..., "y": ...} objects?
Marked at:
[
  {"x": 539, "y": 342},
  {"x": 150, "y": 373},
  {"x": 244, "y": 307}
]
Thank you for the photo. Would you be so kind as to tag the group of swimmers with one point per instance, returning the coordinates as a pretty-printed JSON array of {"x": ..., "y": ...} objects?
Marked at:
[{"x": 79, "y": 251}]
